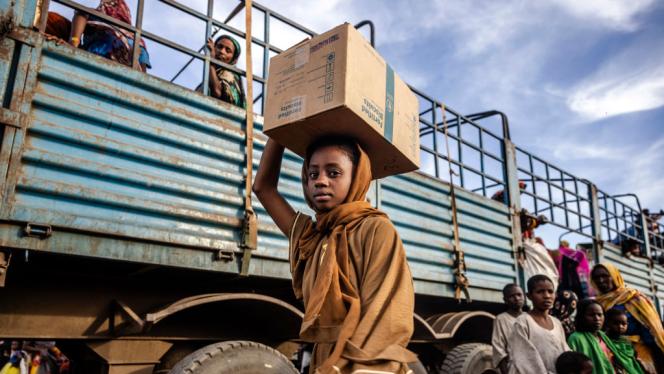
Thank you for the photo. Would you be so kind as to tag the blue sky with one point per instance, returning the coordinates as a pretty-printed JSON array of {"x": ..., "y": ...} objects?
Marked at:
[{"x": 581, "y": 81}]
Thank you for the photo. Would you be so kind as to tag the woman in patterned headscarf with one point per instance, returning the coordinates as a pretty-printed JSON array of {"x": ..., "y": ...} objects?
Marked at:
[
  {"x": 108, "y": 40},
  {"x": 644, "y": 327},
  {"x": 226, "y": 84}
]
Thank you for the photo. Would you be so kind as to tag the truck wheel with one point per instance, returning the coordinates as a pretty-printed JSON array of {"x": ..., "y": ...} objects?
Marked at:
[
  {"x": 236, "y": 357},
  {"x": 469, "y": 358}
]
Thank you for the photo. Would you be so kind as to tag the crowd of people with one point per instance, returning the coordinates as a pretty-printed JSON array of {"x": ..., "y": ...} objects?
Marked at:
[
  {"x": 32, "y": 357},
  {"x": 93, "y": 34},
  {"x": 617, "y": 331}
]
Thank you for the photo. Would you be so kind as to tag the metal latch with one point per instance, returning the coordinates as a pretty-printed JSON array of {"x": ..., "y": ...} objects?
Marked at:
[{"x": 38, "y": 230}]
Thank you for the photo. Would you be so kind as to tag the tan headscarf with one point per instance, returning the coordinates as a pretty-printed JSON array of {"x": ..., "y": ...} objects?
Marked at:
[
  {"x": 332, "y": 311},
  {"x": 637, "y": 304}
]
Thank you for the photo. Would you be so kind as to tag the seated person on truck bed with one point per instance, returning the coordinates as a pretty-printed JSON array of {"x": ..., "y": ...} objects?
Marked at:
[
  {"x": 225, "y": 84},
  {"x": 105, "y": 39},
  {"x": 349, "y": 266}
]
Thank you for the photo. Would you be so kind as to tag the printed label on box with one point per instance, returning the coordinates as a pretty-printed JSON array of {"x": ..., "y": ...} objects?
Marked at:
[
  {"x": 293, "y": 109},
  {"x": 301, "y": 56},
  {"x": 373, "y": 111},
  {"x": 328, "y": 94}
]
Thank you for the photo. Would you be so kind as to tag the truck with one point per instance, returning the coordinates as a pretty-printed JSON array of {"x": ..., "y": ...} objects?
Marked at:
[{"x": 123, "y": 207}]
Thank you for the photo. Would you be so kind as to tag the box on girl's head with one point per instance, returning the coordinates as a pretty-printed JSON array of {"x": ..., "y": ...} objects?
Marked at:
[{"x": 337, "y": 84}]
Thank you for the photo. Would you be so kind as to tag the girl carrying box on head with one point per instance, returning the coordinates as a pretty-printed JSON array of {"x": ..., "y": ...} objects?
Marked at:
[{"x": 348, "y": 266}]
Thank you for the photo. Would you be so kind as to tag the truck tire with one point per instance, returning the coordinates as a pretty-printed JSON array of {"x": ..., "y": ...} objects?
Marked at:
[
  {"x": 236, "y": 357},
  {"x": 471, "y": 358}
]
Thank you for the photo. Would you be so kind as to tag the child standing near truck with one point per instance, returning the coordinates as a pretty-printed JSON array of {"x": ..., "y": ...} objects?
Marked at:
[
  {"x": 348, "y": 266},
  {"x": 538, "y": 339},
  {"x": 503, "y": 325}
]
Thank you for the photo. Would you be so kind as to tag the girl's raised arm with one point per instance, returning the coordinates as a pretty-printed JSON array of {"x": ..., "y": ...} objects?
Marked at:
[{"x": 265, "y": 187}]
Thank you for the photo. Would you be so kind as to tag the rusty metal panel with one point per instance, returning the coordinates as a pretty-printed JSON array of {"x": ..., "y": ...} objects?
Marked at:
[
  {"x": 116, "y": 152},
  {"x": 420, "y": 208},
  {"x": 128, "y": 167},
  {"x": 635, "y": 270},
  {"x": 21, "y": 11}
]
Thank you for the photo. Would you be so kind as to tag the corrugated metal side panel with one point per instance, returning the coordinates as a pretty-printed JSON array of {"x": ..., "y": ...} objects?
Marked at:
[
  {"x": 635, "y": 270},
  {"x": 420, "y": 208},
  {"x": 114, "y": 151},
  {"x": 271, "y": 242},
  {"x": 23, "y": 10},
  {"x": 118, "y": 154}
]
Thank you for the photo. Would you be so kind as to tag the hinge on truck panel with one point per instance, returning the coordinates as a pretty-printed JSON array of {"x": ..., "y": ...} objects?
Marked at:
[
  {"x": 37, "y": 230},
  {"x": 249, "y": 238},
  {"x": 5, "y": 260}
]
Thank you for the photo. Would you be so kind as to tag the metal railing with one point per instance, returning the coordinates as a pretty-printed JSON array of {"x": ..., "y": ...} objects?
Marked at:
[
  {"x": 476, "y": 154},
  {"x": 564, "y": 199},
  {"x": 621, "y": 223},
  {"x": 202, "y": 54}
]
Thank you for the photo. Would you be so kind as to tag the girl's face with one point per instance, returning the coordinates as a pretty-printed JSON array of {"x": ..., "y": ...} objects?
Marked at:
[
  {"x": 329, "y": 175},
  {"x": 542, "y": 295},
  {"x": 602, "y": 279},
  {"x": 617, "y": 325},
  {"x": 594, "y": 317},
  {"x": 224, "y": 50}
]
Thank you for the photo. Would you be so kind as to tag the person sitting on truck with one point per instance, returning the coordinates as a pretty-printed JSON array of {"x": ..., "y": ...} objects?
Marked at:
[
  {"x": 574, "y": 270},
  {"x": 108, "y": 40},
  {"x": 225, "y": 84},
  {"x": 644, "y": 326},
  {"x": 537, "y": 338},
  {"x": 348, "y": 266},
  {"x": 503, "y": 324}
]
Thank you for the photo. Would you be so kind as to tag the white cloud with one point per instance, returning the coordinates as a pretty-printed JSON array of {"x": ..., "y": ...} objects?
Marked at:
[
  {"x": 616, "y": 14},
  {"x": 571, "y": 151},
  {"x": 614, "y": 95},
  {"x": 642, "y": 177}
]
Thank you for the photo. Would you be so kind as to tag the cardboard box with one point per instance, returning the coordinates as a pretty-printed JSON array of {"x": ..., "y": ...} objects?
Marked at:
[{"x": 337, "y": 84}]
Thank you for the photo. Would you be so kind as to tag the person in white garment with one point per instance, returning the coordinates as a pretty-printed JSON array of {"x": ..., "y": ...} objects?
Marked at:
[
  {"x": 537, "y": 339},
  {"x": 503, "y": 325}
]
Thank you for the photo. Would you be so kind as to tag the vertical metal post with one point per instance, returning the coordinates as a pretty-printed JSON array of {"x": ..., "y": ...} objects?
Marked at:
[
  {"x": 266, "y": 53},
  {"x": 206, "y": 61},
  {"x": 43, "y": 15},
  {"x": 483, "y": 176},
  {"x": 514, "y": 194},
  {"x": 534, "y": 180},
  {"x": 436, "y": 155},
  {"x": 137, "y": 35},
  {"x": 460, "y": 151},
  {"x": 598, "y": 244},
  {"x": 645, "y": 230},
  {"x": 548, "y": 189}
]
